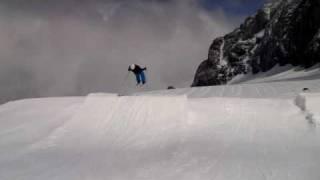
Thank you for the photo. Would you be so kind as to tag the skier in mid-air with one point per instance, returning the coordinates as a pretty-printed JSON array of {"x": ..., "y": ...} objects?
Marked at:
[{"x": 139, "y": 73}]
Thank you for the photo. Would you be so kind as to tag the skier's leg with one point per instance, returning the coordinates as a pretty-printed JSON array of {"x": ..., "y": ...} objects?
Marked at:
[
  {"x": 138, "y": 78},
  {"x": 143, "y": 77}
]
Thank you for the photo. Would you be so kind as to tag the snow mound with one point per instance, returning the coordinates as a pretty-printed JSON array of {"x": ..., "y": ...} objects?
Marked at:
[
  {"x": 309, "y": 103},
  {"x": 109, "y": 119},
  {"x": 300, "y": 101},
  {"x": 164, "y": 136}
]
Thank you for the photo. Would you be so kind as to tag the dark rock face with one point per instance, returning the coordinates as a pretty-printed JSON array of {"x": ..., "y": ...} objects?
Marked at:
[
  {"x": 282, "y": 32},
  {"x": 210, "y": 71},
  {"x": 313, "y": 50}
]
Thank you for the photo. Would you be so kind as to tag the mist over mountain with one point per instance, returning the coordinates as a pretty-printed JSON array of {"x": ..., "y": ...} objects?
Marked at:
[{"x": 71, "y": 47}]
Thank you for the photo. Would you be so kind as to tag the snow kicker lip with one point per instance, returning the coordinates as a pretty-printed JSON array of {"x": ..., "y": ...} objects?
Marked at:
[{"x": 122, "y": 121}]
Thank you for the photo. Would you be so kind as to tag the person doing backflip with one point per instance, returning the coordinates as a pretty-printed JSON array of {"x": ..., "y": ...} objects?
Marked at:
[{"x": 139, "y": 73}]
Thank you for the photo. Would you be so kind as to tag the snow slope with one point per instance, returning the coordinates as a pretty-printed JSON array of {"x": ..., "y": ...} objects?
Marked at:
[
  {"x": 245, "y": 131},
  {"x": 274, "y": 89},
  {"x": 280, "y": 73}
]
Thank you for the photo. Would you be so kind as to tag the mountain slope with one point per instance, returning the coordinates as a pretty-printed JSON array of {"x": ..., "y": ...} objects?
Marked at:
[
  {"x": 282, "y": 32},
  {"x": 163, "y": 137}
]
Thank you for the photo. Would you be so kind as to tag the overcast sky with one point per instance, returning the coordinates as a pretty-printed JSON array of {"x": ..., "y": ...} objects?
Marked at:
[{"x": 74, "y": 47}]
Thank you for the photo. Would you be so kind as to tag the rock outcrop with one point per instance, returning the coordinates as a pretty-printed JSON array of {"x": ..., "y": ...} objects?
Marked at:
[{"x": 282, "y": 32}]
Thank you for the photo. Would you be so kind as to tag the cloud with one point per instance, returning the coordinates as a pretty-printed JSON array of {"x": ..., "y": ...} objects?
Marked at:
[{"x": 57, "y": 48}]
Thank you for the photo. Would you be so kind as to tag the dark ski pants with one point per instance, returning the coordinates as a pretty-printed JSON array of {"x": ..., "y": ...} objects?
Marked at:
[{"x": 141, "y": 78}]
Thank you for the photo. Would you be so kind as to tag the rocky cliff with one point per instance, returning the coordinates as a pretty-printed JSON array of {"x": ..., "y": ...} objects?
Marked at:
[{"x": 282, "y": 32}]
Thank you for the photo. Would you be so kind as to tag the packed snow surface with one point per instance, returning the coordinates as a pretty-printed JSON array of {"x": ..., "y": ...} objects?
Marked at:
[{"x": 249, "y": 131}]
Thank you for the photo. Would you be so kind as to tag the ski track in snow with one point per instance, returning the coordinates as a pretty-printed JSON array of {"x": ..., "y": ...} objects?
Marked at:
[{"x": 245, "y": 131}]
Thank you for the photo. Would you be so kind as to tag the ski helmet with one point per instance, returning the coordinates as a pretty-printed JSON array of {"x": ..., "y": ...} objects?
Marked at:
[{"x": 132, "y": 66}]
